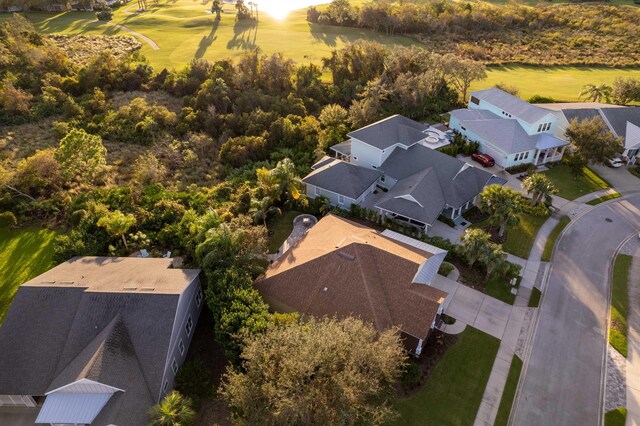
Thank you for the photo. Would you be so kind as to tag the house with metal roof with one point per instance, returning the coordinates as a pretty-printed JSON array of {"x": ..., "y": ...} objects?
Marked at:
[
  {"x": 391, "y": 167},
  {"x": 96, "y": 341},
  {"x": 512, "y": 131},
  {"x": 622, "y": 122},
  {"x": 341, "y": 268}
]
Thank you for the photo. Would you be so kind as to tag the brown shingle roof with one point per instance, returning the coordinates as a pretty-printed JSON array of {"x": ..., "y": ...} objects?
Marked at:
[{"x": 343, "y": 268}]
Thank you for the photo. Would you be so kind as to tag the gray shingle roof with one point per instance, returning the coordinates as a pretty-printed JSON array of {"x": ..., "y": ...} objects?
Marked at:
[
  {"x": 390, "y": 131},
  {"x": 580, "y": 114},
  {"x": 342, "y": 178},
  {"x": 343, "y": 148},
  {"x": 57, "y": 332},
  {"x": 511, "y": 104},
  {"x": 618, "y": 118}
]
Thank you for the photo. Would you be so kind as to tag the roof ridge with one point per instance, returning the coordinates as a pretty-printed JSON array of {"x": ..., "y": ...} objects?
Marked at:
[{"x": 372, "y": 267}]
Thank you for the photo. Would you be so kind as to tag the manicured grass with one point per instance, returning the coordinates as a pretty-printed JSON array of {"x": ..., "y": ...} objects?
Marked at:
[
  {"x": 571, "y": 187},
  {"x": 279, "y": 229},
  {"x": 500, "y": 288},
  {"x": 509, "y": 392},
  {"x": 558, "y": 82},
  {"x": 454, "y": 391},
  {"x": 520, "y": 236},
  {"x": 619, "y": 304},
  {"x": 534, "y": 300},
  {"x": 24, "y": 254},
  {"x": 617, "y": 417},
  {"x": 604, "y": 198},
  {"x": 553, "y": 236}
]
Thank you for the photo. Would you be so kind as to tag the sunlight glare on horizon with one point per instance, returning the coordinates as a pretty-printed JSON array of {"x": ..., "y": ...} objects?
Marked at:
[{"x": 279, "y": 9}]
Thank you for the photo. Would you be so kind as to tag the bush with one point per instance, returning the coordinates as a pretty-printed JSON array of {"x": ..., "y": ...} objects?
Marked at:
[
  {"x": 411, "y": 373},
  {"x": 451, "y": 150},
  {"x": 7, "y": 220},
  {"x": 448, "y": 221},
  {"x": 445, "y": 268},
  {"x": 537, "y": 99},
  {"x": 104, "y": 15},
  {"x": 520, "y": 168},
  {"x": 194, "y": 380}
]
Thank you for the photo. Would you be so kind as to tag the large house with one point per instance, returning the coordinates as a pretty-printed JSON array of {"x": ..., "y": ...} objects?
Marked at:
[
  {"x": 391, "y": 167},
  {"x": 623, "y": 122},
  {"x": 340, "y": 268},
  {"x": 512, "y": 131},
  {"x": 96, "y": 341}
]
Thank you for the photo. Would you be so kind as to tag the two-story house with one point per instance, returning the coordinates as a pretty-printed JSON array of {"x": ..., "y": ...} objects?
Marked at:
[
  {"x": 509, "y": 129},
  {"x": 96, "y": 341},
  {"x": 391, "y": 167}
]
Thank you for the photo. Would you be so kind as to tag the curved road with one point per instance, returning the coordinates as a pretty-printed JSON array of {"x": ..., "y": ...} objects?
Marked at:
[{"x": 562, "y": 382}]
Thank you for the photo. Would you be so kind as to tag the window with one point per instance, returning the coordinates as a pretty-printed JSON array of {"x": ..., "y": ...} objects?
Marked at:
[
  {"x": 474, "y": 100},
  {"x": 188, "y": 326},
  {"x": 355, "y": 158},
  {"x": 199, "y": 297},
  {"x": 463, "y": 128},
  {"x": 165, "y": 386},
  {"x": 526, "y": 155},
  {"x": 174, "y": 366},
  {"x": 382, "y": 178},
  {"x": 181, "y": 347},
  {"x": 318, "y": 192},
  {"x": 539, "y": 128},
  {"x": 341, "y": 199}
]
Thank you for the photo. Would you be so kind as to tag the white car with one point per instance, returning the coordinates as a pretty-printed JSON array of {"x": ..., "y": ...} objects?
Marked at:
[{"x": 615, "y": 162}]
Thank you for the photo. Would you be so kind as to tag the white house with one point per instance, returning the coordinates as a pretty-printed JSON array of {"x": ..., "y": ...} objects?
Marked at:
[{"x": 509, "y": 129}]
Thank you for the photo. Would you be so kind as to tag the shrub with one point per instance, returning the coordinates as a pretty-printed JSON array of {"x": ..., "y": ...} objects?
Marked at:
[
  {"x": 7, "y": 219},
  {"x": 411, "y": 373},
  {"x": 105, "y": 14},
  {"x": 445, "y": 268},
  {"x": 520, "y": 168},
  {"x": 537, "y": 99},
  {"x": 194, "y": 380},
  {"x": 448, "y": 221}
]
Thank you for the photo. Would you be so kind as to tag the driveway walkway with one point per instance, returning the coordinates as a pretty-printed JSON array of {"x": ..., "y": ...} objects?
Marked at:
[{"x": 562, "y": 383}]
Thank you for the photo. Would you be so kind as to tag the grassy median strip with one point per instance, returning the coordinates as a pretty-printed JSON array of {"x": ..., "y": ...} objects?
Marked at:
[
  {"x": 619, "y": 304},
  {"x": 534, "y": 300},
  {"x": 617, "y": 417},
  {"x": 453, "y": 393},
  {"x": 509, "y": 392},
  {"x": 551, "y": 240},
  {"x": 604, "y": 198}
]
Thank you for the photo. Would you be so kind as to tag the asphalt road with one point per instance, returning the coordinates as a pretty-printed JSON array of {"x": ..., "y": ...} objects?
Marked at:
[{"x": 563, "y": 378}]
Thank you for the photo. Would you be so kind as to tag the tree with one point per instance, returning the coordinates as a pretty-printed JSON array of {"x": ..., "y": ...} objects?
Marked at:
[
  {"x": 494, "y": 259},
  {"x": 597, "y": 93},
  {"x": 117, "y": 224},
  {"x": 539, "y": 187},
  {"x": 242, "y": 11},
  {"x": 502, "y": 204},
  {"x": 592, "y": 141},
  {"x": 216, "y": 8},
  {"x": 333, "y": 119},
  {"x": 575, "y": 164},
  {"x": 173, "y": 410},
  {"x": 318, "y": 372},
  {"x": 38, "y": 175},
  {"x": 626, "y": 90},
  {"x": 148, "y": 169},
  {"x": 475, "y": 242},
  {"x": 81, "y": 155},
  {"x": 463, "y": 72},
  {"x": 281, "y": 181}
]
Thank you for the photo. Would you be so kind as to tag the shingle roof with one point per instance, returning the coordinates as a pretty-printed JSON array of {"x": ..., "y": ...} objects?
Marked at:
[
  {"x": 580, "y": 114},
  {"x": 343, "y": 148},
  {"x": 56, "y": 332},
  {"x": 342, "y": 178},
  {"x": 458, "y": 181},
  {"x": 511, "y": 104},
  {"x": 390, "y": 131},
  {"x": 618, "y": 118},
  {"x": 343, "y": 268}
]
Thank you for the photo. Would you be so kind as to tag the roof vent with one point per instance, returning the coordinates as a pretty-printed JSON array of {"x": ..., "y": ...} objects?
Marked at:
[
  {"x": 346, "y": 255},
  {"x": 47, "y": 282},
  {"x": 325, "y": 289},
  {"x": 67, "y": 282},
  {"x": 129, "y": 288},
  {"x": 147, "y": 288}
]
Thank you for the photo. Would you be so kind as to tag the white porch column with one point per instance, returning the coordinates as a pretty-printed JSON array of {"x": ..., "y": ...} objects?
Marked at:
[{"x": 419, "y": 347}]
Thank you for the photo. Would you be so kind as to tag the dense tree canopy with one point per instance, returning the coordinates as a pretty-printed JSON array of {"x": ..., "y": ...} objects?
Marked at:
[{"x": 592, "y": 141}]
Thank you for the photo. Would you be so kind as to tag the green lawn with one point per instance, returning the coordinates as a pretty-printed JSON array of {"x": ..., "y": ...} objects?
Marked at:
[
  {"x": 279, "y": 229},
  {"x": 604, "y": 198},
  {"x": 500, "y": 288},
  {"x": 509, "y": 392},
  {"x": 570, "y": 187},
  {"x": 454, "y": 391},
  {"x": 520, "y": 236},
  {"x": 619, "y": 304},
  {"x": 534, "y": 300},
  {"x": 553, "y": 236},
  {"x": 24, "y": 254},
  {"x": 617, "y": 417}
]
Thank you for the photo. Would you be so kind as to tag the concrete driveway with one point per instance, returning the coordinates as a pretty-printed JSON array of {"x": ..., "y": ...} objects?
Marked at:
[
  {"x": 620, "y": 178},
  {"x": 562, "y": 382}
]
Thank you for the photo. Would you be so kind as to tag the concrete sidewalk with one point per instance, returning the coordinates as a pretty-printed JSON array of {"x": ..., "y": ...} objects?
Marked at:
[
  {"x": 488, "y": 409},
  {"x": 633, "y": 336}
]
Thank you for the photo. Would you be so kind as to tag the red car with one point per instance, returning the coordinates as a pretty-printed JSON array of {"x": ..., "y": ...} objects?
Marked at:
[{"x": 484, "y": 159}]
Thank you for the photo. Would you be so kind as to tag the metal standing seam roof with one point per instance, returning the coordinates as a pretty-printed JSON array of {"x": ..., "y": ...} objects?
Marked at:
[
  {"x": 390, "y": 131},
  {"x": 511, "y": 104},
  {"x": 72, "y": 408}
]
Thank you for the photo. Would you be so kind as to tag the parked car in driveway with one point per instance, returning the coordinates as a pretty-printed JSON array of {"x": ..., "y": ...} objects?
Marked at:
[
  {"x": 615, "y": 162},
  {"x": 485, "y": 159}
]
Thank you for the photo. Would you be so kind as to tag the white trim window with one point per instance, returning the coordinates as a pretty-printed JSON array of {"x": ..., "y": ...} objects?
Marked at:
[
  {"x": 318, "y": 192},
  {"x": 188, "y": 326},
  {"x": 181, "y": 347},
  {"x": 174, "y": 366},
  {"x": 199, "y": 297},
  {"x": 165, "y": 386}
]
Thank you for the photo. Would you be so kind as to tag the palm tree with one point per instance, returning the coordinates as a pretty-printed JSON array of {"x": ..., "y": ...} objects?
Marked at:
[
  {"x": 494, "y": 259},
  {"x": 261, "y": 209},
  {"x": 475, "y": 243},
  {"x": 117, "y": 224},
  {"x": 173, "y": 410},
  {"x": 502, "y": 204},
  {"x": 597, "y": 93},
  {"x": 539, "y": 187},
  {"x": 288, "y": 181},
  {"x": 216, "y": 7}
]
